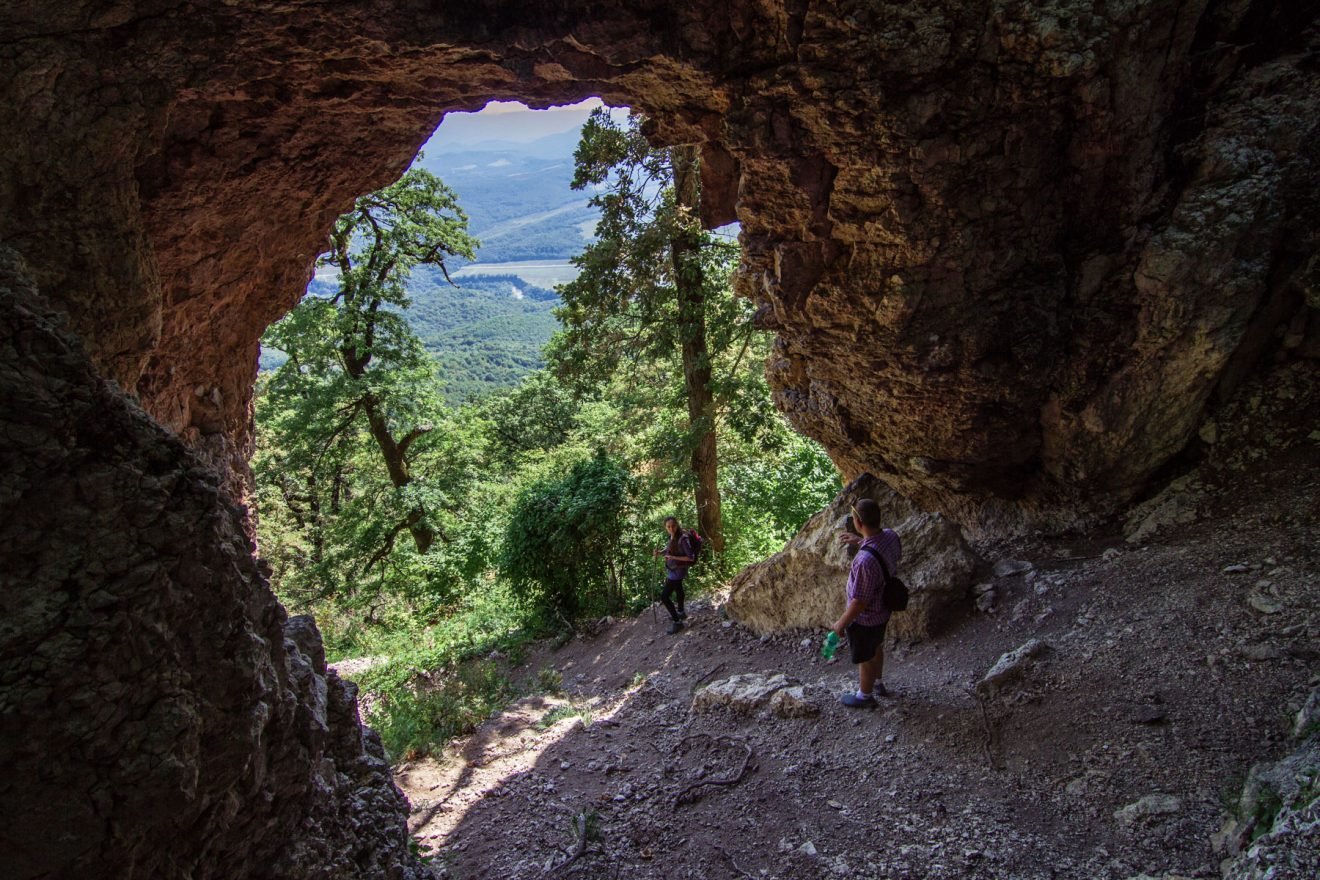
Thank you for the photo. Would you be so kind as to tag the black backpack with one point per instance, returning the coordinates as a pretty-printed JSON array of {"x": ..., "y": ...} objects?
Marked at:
[{"x": 894, "y": 594}]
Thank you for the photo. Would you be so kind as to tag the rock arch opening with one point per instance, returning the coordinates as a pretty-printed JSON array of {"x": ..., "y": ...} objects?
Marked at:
[{"x": 1012, "y": 255}]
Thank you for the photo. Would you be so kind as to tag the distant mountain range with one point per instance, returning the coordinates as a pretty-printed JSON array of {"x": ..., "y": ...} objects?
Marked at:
[
  {"x": 517, "y": 196},
  {"x": 488, "y": 332}
]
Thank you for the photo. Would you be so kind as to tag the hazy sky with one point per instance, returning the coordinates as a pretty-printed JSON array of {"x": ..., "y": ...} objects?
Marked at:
[{"x": 509, "y": 121}]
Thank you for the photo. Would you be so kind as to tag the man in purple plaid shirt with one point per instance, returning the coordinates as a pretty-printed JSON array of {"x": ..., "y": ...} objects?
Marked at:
[{"x": 864, "y": 619}]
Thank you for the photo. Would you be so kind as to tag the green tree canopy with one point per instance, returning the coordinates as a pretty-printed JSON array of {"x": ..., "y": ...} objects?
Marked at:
[
  {"x": 652, "y": 295},
  {"x": 350, "y": 420}
]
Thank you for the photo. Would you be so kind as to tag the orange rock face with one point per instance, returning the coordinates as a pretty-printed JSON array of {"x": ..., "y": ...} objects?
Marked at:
[
  {"x": 1013, "y": 252},
  {"x": 1010, "y": 253}
]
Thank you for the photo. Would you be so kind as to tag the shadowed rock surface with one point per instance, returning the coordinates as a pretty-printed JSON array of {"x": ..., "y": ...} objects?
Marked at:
[
  {"x": 161, "y": 718},
  {"x": 802, "y": 586},
  {"x": 1013, "y": 252}
]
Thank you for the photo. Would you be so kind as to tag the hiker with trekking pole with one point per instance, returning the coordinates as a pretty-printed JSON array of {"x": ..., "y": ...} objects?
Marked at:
[{"x": 680, "y": 552}]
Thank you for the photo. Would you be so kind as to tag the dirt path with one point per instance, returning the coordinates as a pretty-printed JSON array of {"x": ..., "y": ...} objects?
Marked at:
[{"x": 1173, "y": 667}]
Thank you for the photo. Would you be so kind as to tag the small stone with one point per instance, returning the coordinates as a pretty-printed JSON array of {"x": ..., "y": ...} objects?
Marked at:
[
  {"x": 1111, "y": 554},
  {"x": 1010, "y": 567},
  {"x": 893, "y": 737},
  {"x": 1011, "y": 667},
  {"x": 727, "y": 624},
  {"x": 1262, "y": 651},
  {"x": 1150, "y": 805},
  {"x": 1209, "y": 433},
  {"x": 1264, "y": 604},
  {"x": 806, "y": 643},
  {"x": 807, "y": 849},
  {"x": 834, "y": 805},
  {"x": 1308, "y": 718},
  {"x": 1235, "y": 568},
  {"x": 1150, "y": 715}
]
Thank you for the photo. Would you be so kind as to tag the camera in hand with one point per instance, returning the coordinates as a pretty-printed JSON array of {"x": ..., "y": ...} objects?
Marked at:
[{"x": 848, "y": 525}]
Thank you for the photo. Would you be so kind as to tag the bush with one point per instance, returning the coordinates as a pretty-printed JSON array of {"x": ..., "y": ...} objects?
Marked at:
[
  {"x": 414, "y": 720},
  {"x": 562, "y": 542}
]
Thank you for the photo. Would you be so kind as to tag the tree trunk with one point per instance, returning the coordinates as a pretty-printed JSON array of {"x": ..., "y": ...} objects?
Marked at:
[
  {"x": 685, "y": 246},
  {"x": 397, "y": 465},
  {"x": 393, "y": 452}
]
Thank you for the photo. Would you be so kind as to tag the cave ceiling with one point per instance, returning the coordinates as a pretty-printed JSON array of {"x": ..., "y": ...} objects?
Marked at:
[{"x": 1013, "y": 252}]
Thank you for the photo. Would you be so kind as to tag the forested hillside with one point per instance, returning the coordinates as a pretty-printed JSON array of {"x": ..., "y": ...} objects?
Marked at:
[{"x": 486, "y": 334}]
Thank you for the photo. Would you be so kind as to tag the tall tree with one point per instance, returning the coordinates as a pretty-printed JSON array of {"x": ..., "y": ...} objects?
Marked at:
[
  {"x": 375, "y": 247},
  {"x": 356, "y": 373},
  {"x": 644, "y": 284}
]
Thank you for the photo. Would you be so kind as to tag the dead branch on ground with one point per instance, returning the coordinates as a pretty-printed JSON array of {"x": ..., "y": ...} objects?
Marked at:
[
  {"x": 696, "y": 684},
  {"x": 687, "y": 795},
  {"x": 579, "y": 846},
  {"x": 988, "y": 743}
]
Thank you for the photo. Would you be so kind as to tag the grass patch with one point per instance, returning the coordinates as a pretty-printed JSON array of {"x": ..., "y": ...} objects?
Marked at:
[
  {"x": 550, "y": 680},
  {"x": 415, "y": 719},
  {"x": 559, "y": 713},
  {"x": 441, "y": 680}
]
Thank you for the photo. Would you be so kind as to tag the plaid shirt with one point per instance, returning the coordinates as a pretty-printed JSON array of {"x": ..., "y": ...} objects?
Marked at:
[{"x": 867, "y": 577}]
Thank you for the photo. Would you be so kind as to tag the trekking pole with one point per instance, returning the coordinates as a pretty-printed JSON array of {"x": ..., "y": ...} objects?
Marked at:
[{"x": 654, "y": 620}]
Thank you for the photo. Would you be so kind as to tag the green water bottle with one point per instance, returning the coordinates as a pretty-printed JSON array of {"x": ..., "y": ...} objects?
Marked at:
[{"x": 831, "y": 645}]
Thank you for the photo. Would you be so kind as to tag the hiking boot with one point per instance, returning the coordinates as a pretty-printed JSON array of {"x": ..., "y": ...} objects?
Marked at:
[
  {"x": 675, "y": 627},
  {"x": 682, "y": 615},
  {"x": 852, "y": 701}
]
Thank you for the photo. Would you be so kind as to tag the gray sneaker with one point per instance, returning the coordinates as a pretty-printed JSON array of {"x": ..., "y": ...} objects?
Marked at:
[{"x": 675, "y": 627}]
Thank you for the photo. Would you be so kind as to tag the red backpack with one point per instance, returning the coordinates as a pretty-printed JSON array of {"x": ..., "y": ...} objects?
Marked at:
[{"x": 695, "y": 546}]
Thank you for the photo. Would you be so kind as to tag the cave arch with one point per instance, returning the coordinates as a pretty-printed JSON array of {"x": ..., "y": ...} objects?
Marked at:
[
  {"x": 1011, "y": 255},
  {"x": 900, "y": 202}
]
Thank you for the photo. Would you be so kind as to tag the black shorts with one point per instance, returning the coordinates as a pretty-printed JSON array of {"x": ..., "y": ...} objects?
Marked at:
[{"x": 864, "y": 641}]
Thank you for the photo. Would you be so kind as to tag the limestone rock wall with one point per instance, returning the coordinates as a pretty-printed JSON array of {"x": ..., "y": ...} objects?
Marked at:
[
  {"x": 161, "y": 717},
  {"x": 803, "y": 585},
  {"x": 1012, "y": 250}
]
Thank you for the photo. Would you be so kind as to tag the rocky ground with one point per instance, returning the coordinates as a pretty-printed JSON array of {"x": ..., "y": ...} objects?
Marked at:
[{"x": 1174, "y": 653}]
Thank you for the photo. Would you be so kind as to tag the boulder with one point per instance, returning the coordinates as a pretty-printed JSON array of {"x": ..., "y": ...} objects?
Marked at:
[
  {"x": 1011, "y": 668},
  {"x": 1274, "y": 829},
  {"x": 748, "y": 693},
  {"x": 803, "y": 585},
  {"x": 792, "y": 703}
]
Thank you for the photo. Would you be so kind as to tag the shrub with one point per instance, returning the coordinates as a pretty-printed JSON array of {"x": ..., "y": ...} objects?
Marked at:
[{"x": 562, "y": 543}]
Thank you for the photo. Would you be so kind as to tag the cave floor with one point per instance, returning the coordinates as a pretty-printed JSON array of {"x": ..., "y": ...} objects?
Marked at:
[{"x": 1176, "y": 663}]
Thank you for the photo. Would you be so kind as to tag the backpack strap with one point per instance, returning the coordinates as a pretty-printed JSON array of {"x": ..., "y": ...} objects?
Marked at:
[{"x": 879, "y": 558}]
